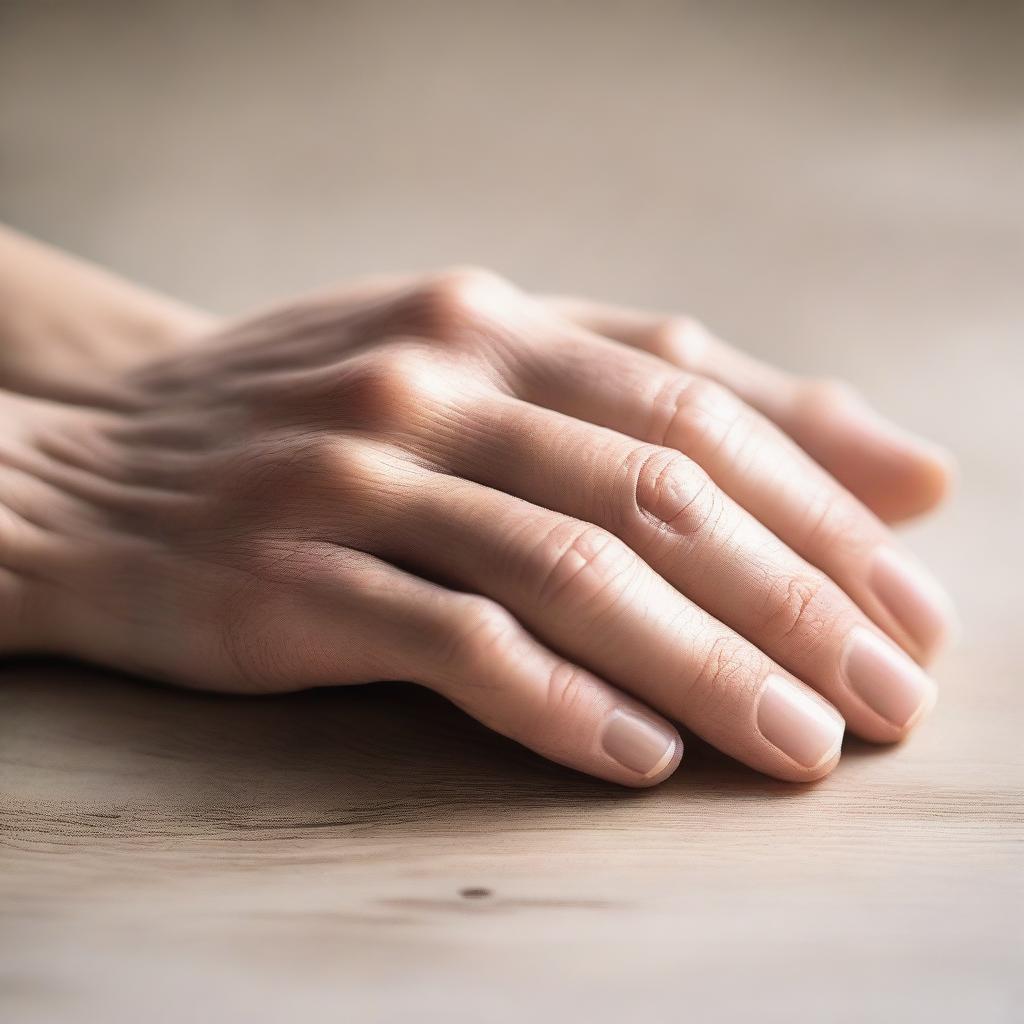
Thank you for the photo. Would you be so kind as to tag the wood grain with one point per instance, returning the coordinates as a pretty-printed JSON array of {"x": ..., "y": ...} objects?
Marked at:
[{"x": 836, "y": 187}]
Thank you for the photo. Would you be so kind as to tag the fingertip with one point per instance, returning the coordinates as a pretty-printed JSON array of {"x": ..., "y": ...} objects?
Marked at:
[
  {"x": 895, "y": 472},
  {"x": 923, "y": 481},
  {"x": 824, "y": 769},
  {"x": 798, "y": 774},
  {"x": 916, "y": 600},
  {"x": 879, "y": 732}
]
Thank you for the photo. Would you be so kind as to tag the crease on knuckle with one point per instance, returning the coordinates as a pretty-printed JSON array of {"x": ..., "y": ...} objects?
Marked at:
[
  {"x": 680, "y": 340},
  {"x": 568, "y": 692},
  {"x": 479, "y": 633},
  {"x": 321, "y": 465},
  {"x": 586, "y": 565},
  {"x": 451, "y": 303},
  {"x": 792, "y": 610},
  {"x": 392, "y": 390},
  {"x": 566, "y": 697},
  {"x": 675, "y": 493},
  {"x": 318, "y": 482},
  {"x": 727, "y": 666},
  {"x": 697, "y": 416},
  {"x": 829, "y": 525}
]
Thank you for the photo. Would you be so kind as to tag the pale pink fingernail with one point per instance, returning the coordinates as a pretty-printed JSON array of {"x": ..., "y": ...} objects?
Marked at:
[
  {"x": 913, "y": 597},
  {"x": 798, "y": 722},
  {"x": 639, "y": 744},
  {"x": 885, "y": 678}
]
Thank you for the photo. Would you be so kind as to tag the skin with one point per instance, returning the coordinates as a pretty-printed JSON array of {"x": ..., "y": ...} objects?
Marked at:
[
  {"x": 583, "y": 525},
  {"x": 69, "y": 327}
]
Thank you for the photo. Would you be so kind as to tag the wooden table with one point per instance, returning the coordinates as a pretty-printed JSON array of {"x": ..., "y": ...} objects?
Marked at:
[
  {"x": 839, "y": 190},
  {"x": 373, "y": 855}
]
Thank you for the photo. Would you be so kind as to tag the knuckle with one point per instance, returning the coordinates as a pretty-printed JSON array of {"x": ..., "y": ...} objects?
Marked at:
[
  {"x": 327, "y": 463},
  {"x": 681, "y": 340},
  {"x": 819, "y": 395},
  {"x": 453, "y": 302},
  {"x": 479, "y": 634},
  {"x": 696, "y": 415},
  {"x": 730, "y": 664},
  {"x": 793, "y": 609},
  {"x": 391, "y": 389},
  {"x": 585, "y": 565},
  {"x": 834, "y": 525},
  {"x": 306, "y": 476},
  {"x": 673, "y": 490},
  {"x": 568, "y": 691},
  {"x": 568, "y": 695}
]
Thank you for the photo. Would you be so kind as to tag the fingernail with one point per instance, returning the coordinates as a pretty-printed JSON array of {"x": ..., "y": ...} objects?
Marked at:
[
  {"x": 802, "y": 725},
  {"x": 638, "y": 744},
  {"x": 885, "y": 678},
  {"x": 914, "y": 598}
]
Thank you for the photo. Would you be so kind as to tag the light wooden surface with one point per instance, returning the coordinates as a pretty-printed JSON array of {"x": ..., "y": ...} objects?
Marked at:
[{"x": 835, "y": 187}]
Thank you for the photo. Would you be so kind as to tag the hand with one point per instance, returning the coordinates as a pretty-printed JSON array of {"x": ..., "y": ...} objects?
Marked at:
[{"x": 447, "y": 481}]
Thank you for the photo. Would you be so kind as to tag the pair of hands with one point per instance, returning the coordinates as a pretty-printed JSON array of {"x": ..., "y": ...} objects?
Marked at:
[{"x": 578, "y": 523}]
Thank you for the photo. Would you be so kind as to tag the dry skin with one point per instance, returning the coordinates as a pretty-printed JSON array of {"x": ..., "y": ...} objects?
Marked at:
[{"x": 371, "y": 854}]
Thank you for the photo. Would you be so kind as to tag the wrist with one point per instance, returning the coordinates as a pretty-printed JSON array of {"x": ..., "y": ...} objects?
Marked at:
[{"x": 67, "y": 326}]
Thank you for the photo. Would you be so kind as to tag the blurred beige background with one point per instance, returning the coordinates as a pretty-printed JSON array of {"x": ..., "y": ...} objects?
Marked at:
[{"x": 837, "y": 187}]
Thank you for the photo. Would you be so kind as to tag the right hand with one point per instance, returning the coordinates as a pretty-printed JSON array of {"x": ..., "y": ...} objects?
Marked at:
[{"x": 447, "y": 481}]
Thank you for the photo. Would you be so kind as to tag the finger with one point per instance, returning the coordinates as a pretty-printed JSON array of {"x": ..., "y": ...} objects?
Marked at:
[
  {"x": 589, "y": 597},
  {"x": 668, "y": 510},
  {"x": 895, "y": 473},
  {"x": 472, "y": 651},
  {"x": 594, "y": 379}
]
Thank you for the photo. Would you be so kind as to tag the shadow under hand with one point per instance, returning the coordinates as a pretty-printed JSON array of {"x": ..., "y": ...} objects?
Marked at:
[{"x": 105, "y": 753}]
